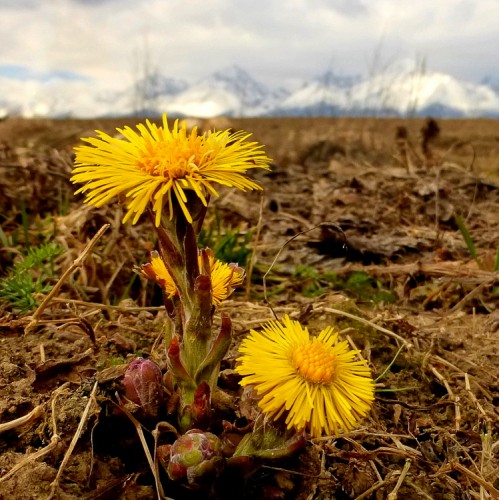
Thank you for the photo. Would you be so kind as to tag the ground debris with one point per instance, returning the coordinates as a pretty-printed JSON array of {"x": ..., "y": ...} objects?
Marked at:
[{"x": 384, "y": 229}]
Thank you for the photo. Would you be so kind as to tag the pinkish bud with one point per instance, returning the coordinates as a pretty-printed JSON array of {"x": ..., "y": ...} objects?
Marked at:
[
  {"x": 144, "y": 385},
  {"x": 196, "y": 459}
]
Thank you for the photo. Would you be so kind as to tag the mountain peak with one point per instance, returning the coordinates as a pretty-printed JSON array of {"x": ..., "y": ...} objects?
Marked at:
[
  {"x": 231, "y": 91},
  {"x": 332, "y": 79},
  {"x": 232, "y": 72},
  {"x": 404, "y": 88}
]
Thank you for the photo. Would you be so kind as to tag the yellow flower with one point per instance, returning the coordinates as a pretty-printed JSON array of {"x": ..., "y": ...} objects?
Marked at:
[
  {"x": 153, "y": 166},
  {"x": 315, "y": 381},
  {"x": 224, "y": 277},
  {"x": 156, "y": 271}
]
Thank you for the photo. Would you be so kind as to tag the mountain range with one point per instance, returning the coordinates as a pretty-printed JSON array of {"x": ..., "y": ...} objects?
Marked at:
[{"x": 402, "y": 89}]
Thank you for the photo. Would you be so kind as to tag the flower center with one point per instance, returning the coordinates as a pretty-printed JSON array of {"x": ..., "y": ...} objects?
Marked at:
[
  {"x": 315, "y": 362},
  {"x": 173, "y": 159}
]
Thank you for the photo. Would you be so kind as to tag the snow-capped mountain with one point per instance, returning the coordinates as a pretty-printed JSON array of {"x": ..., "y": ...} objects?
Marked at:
[
  {"x": 229, "y": 92},
  {"x": 328, "y": 94},
  {"x": 59, "y": 97},
  {"x": 406, "y": 89},
  {"x": 402, "y": 89}
]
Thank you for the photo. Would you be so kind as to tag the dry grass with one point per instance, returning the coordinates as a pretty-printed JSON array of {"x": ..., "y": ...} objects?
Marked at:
[{"x": 433, "y": 432}]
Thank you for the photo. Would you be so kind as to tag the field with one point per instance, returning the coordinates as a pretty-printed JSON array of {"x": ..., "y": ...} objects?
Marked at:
[{"x": 386, "y": 229}]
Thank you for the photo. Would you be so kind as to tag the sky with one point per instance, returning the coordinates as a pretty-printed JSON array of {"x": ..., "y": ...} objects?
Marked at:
[{"x": 279, "y": 42}]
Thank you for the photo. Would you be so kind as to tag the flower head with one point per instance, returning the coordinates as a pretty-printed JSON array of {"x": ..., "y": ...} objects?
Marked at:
[
  {"x": 315, "y": 381},
  {"x": 154, "y": 166},
  {"x": 156, "y": 271},
  {"x": 224, "y": 277}
]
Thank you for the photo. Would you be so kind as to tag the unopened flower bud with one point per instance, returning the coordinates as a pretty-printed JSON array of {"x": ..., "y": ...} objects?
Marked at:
[
  {"x": 143, "y": 385},
  {"x": 196, "y": 459}
]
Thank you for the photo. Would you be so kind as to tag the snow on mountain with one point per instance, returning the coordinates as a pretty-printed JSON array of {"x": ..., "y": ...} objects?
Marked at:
[
  {"x": 327, "y": 94},
  {"x": 230, "y": 92},
  {"x": 59, "y": 97},
  {"x": 402, "y": 89},
  {"x": 204, "y": 101},
  {"x": 406, "y": 89},
  {"x": 469, "y": 99},
  {"x": 62, "y": 98}
]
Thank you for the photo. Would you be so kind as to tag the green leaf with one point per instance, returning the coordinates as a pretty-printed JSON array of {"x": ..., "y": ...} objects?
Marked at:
[{"x": 466, "y": 236}]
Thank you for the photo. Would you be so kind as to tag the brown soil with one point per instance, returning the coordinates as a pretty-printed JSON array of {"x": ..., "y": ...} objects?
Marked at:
[{"x": 358, "y": 228}]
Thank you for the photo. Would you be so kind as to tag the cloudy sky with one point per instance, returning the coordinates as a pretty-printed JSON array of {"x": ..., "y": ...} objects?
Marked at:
[{"x": 277, "y": 41}]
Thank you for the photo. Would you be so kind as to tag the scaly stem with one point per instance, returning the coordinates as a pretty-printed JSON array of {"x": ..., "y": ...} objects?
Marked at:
[{"x": 195, "y": 352}]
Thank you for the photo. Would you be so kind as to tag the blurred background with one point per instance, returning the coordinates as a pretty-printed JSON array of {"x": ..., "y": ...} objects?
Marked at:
[{"x": 109, "y": 58}]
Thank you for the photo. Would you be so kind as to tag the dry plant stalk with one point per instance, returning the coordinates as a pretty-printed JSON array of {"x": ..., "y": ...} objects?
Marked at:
[
  {"x": 31, "y": 458},
  {"x": 152, "y": 463},
  {"x": 78, "y": 262},
  {"x": 107, "y": 307},
  {"x": 54, "y": 441},
  {"x": 369, "y": 323},
  {"x": 494, "y": 492},
  {"x": 37, "y": 412},
  {"x": 451, "y": 269},
  {"x": 453, "y": 397},
  {"x": 69, "y": 451},
  {"x": 393, "y": 495},
  {"x": 256, "y": 241}
]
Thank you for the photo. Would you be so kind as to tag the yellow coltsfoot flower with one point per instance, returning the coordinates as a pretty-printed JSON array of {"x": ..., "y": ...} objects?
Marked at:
[
  {"x": 316, "y": 382},
  {"x": 154, "y": 166},
  {"x": 156, "y": 271},
  {"x": 225, "y": 278}
]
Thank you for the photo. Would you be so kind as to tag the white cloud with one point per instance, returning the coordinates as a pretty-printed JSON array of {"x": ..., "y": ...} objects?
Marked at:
[{"x": 277, "y": 42}]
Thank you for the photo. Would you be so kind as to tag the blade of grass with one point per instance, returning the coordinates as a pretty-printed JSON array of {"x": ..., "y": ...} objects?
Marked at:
[
  {"x": 466, "y": 236},
  {"x": 5, "y": 241}
]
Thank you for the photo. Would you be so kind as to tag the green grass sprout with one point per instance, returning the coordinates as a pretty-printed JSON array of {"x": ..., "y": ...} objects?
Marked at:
[
  {"x": 228, "y": 245},
  {"x": 29, "y": 277},
  {"x": 470, "y": 244}
]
